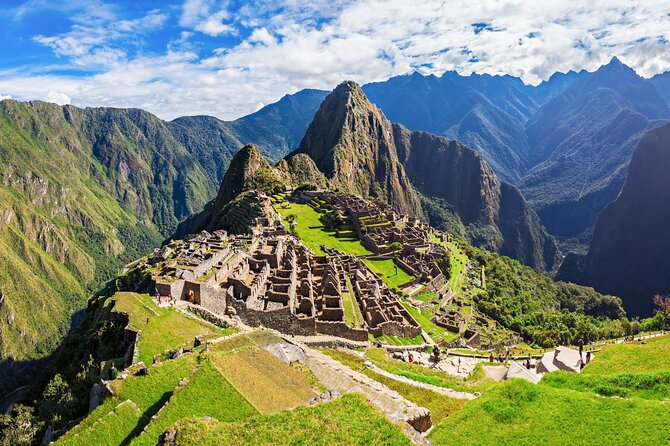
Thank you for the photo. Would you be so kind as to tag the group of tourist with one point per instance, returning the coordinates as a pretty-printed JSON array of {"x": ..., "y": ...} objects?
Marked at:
[{"x": 170, "y": 300}]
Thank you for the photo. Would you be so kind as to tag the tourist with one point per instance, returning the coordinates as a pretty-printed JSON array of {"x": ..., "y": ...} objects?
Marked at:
[
  {"x": 588, "y": 357},
  {"x": 580, "y": 343},
  {"x": 190, "y": 295},
  {"x": 113, "y": 373},
  {"x": 491, "y": 358}
]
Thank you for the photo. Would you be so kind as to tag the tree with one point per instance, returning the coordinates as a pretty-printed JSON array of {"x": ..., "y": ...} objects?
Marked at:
[
  {"x": 18, "y": 428},
  {"x": 395, "y": 246},
  {"x": 58, "y": 403},
  {"x": 292, "y": 221},
  {"x": 663, "y": 309}
]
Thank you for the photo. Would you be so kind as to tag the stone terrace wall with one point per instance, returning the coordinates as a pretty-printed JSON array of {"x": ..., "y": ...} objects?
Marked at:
[{"x": 342, "y": 330}]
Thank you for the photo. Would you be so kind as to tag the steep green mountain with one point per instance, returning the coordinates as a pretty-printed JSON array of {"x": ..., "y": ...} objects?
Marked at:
[
  {"x": 494, "y": 213},
  {"x": 628, "y": 255},
  {"x": 351, "y": 142},
  {"x": 582, "y": 141},
  {"x": 361, "y": 152},
  {"x": 83, "y": 191}
]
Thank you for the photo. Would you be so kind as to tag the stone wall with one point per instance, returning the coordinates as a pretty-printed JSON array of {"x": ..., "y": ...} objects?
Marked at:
[
  {"x": 208, "y": 316},
  {"x": 342, "y": 330},
  {"x": 214, "y": 299}
]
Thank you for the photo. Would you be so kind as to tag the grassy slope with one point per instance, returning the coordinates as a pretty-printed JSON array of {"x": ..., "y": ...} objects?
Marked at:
[
  {"x": 313, "y": 234},
  {"x": 166, "y": 328},
  {"x": 346, "y": 421},
  {"x": 206, "y": 394},
  {"x": 652, "y": 356},
  {"x": 517, "y": 412}
]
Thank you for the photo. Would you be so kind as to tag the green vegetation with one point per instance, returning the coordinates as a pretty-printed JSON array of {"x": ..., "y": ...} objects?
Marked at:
[
  {"x": 110, "y": 430},
  {"x": 352, "y": 312},
  {"x": 436, "y": 332},
  {"x": 425, "y": 297},
  {"x": 632, "y": 357},
  {"x": 266, "y": 382},
  {"x": 518, "y": 412},
  {"x": 206, "y": 394},
  {"x": 313, "y": 232},
  {"x": 399, "y": 340},
  {"x": 440, "y": 406},
  {"x": 161, "y": 328},
  {"x": 546, "y": 312},
  {"x": 392, "y": 275},
  {"x": 346, "y": 421}
]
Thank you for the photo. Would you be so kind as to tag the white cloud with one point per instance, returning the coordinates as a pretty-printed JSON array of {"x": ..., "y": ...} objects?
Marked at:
[
  {"x": 57, "y": 97},
  {"x": 5, "y": 96},
  {"x": 293, "y": 45}
]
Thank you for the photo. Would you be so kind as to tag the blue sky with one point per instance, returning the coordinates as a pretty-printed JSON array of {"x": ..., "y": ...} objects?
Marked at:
[{"x": 228, "y": 58}]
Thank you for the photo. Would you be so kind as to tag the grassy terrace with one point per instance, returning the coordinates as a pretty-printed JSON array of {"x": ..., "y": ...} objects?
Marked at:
[
  {"x": 266, "y": 382},
  {"x": 346, "y": 421},
  {"x": 386, "y": 270},
  {"x": 518, "y": 412},
  {"x": 352, "y": 312},
  {"x": 162, "y": 328},
  {"x": 312, "y": 232},
  {"x": 206, "y": 394},
  {"x": 621, "y": 398},
  {"x": 423, "y": 318}
]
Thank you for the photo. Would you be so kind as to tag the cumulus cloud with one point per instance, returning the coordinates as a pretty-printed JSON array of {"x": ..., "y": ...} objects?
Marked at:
[
  {"x": 286, "y": 45},
  {"x": 5, "y": 96},
  {"x": 57, "y": 97}
]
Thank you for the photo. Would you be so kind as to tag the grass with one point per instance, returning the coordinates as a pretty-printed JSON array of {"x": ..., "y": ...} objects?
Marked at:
[
  {"x": 425, "y": 297},
  {"x": 386, "y": 270},
  {"x": 652, "y": 386},
  {"x": 416, "y": 372},
  {"x": 206, "y": 394},
  {"x": 148, "y": 393},
  {"x": 436, "y": 332},
  {"x": 633, "y": 357},
  {"x": 440, "y": 406},
  {"x": 166, "y": 328},
  {"x": 346, "y": 421},
  {"x": 352, "y": 312},
  {"x": 517, "y": 412},
  {"x": 312, "y": 232},
  {"x": 266, "y": 382},
  {"x": 400, "y": 340},
  {"x": 111, "y": 429}
]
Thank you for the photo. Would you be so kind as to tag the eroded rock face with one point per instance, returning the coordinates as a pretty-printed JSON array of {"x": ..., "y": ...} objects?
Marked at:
[
  {"x": 351, "y": 142},
  {"x": 494, "y": 213},
  {"x": 628, "y": 255}
]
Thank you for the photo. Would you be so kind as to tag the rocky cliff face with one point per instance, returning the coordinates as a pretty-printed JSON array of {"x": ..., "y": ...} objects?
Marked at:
[
  {"x": 494, "y": 213},
  {"x": 351, "y": 142},
  {"x": 628, "y": 255}
]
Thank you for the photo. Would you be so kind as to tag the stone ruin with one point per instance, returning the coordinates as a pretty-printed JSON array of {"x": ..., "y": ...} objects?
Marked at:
[{"x": 269, "y": 278}]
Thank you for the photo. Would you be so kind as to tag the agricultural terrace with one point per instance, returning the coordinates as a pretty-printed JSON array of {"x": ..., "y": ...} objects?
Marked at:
[
  {"x": 348, "y": 420},
  {"x": 436, "y": 332},
  {"x": 266, "y": 382},
  {"x": 313, "y": 233},
  {"x": 161, "y": 328}
]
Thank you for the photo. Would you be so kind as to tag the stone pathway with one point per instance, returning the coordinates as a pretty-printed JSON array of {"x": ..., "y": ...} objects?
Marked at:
[
  {"x": 335, "y": 376},
  {"x": 443, "y": 390}
]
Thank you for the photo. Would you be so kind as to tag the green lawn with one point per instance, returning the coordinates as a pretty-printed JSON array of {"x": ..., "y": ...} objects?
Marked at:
[
  {"x": 348, "y": 420},
  {"x": 352, "y": 312},
  {"x": 458, "y": 262},
  {"x": 632, "y": 357},
  {"x": 387, "y": 271},
  {"x": 313, "y": 234},
  {"x": 207, "y": 393},
  {"x": 436, "y": 332},
  {"x": 425, "y": 297},
  {"x": 398, "y": 340},
  {"x": 166, "y": 328},
  {"x": 517, "y": 412}
]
